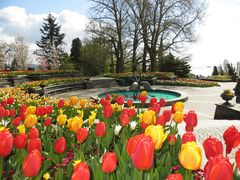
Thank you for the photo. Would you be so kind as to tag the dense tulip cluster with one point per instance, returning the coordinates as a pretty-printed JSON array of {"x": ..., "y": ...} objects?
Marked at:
[{"x": 47, "y": 138}]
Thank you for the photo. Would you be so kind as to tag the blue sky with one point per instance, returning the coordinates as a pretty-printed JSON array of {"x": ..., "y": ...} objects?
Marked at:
[
  {"x": 219, "y": 36},
  {"x": 43, "y": 6}
]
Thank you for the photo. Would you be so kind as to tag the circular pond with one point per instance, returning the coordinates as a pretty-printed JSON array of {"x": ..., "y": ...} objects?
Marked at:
[{"x": 169, "y": 96}]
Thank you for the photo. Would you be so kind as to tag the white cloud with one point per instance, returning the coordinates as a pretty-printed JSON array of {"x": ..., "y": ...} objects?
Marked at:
[
  {"x": 219, "y": 36},
  {"x": 16, "y": 21}
]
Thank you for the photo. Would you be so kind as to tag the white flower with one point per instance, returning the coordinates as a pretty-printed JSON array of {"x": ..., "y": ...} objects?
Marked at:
[
  {"x": 133, "y": 125},
  {"x": 117, "y": 129}
]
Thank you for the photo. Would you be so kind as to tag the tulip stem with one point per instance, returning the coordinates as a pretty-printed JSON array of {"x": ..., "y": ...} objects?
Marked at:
[
  {"x": 1, "y": 166},
  {"x": 141, "y": 175},
  {"x": 188, "y": 175}
]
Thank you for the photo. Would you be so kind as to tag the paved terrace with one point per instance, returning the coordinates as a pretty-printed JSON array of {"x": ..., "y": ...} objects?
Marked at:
[{"x": 202, "y": 100}]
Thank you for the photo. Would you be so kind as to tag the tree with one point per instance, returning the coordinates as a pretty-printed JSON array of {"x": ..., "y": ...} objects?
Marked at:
[
  {"x": 179, "y": 66},
  {"x": 20, "y": 53},
  {"x": 75, "y": 55},
  {"x": 220, "y": 70},
  {"x": 215, "y": 71},
  {"x": 111, "y": 19},
  {"x": 66, "y": 62},
  {"x": 166, "y": 25},
  {"x": 51, "y": 42},
  {"x": 4, "y": 50}
]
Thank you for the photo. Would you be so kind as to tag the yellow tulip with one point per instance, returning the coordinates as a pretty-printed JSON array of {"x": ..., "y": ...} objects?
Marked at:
[
  {"x": 75, "y": 123},
  {"x": 30, "y": 110},
  {"x": 179, "y": 106},
  {"x": 190, "y": 156},
  {"x": 21, "y": 129},
  {"x": 148, "y": 117},
  {"x": 61, "y": 119},
  {"x": 178, "y": 117},
  {"x": 91, "y": 118},
  {"x": 119, "y": 108},
  {"x": 157, "y": 134},
  {"x": 73, "y": 100},
  {"x": 30, "y": 121},
  {"x": 144, "y": 93}
]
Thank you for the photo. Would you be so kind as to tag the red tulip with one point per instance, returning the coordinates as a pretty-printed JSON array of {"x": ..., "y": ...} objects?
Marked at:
[
  {"x": 191, "y": 119},
  {"x": 218, "y": 167},
  {"x": 4, "y": 103},
  {"x": 48, "y": 109},
  {"x": 10, "y": 100},
  {"x": 143, "y": 155},
  {"x": 60, "y": 103},
  {"x": 153, "y": 101},
  {"x": 20, "y": 141},
  {"x": 81, "y": 171},
  {"x": 162, "y": 102},
  {"x": 16, "y": 121},
  {"x": 47, "y": 121},
  {"x": 33, "y": 133},
  {"x": 129, "y": 103},
  {"x": 40, "y": 111},
  {"x": 212, "y": 147},
  {"x": 131, "y": 112},
  {"x": 174, "y": 177},
  {"x": 12, "y": 112},
  {"x": 2, "y": 112},
  {"x": 132, "y": 143},
  {"x": 161, "y": 120},
  {"x": 155, "y": 107},
  {"x": 109, "y": 162},
  {"x": 107, "y": 111},
  {"x": 34, "y": 143},
  {"x": 172, "y": 139},
  {"x": 100, "y": 130},
  {"x": 6, "y": 113},
  {"x": 82, "y": 134},
  {"x": 108, "y": 97},
  {"x": 6, "y": 143},
  {"x": 120, "y": 100},
  {"x": 142, "y": 98},
  {"x": 32, "y": 164},
  {"x": 232, "y": 138},
  {"x": 60, "y": 145},
  {"x": 237, "y": 158},
  {"x": 23, "y": 108},
  {"x": 188, "y": 137},
  {"x": 167, "y": 114},
  {"x": 124, "y": 119}
]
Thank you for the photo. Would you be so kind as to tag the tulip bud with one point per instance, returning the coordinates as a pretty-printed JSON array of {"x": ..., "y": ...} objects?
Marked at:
[
  {"x": 47, "y": 122},
  {"x": 109, "y": 162},
  {"x": 232, "y": 138},
  {"x": 172, "y": 139},
  {"x": 33, "y": 133},
  {"x": 32, "y": 164},
  {"x": 129, "y": 103},
  {"x": 212, "y": 147},
  {"x": 188, "y": 137},
  {"x": 107, "y": 111},
  {"x": 34, "y": 143},
  {"x": 20, "y": 141},
  {"x": 82, "y": 134},
  {"x": 175, "y": 177},
  {"x": 108, "y": 97},
  {"x": 167, "y": 114},
  {"x": 124, "y": 119},
  {"x": 100, "y": 130},
  {"x": 162, "y": 102},
  {"x": 6, "y": 143},
  {"x": 60, "y": 103},
  {"x": 120, "y": 100},
  {"x": 81, "y": 171},
  {"x": 133, "y": 125},
  {"x": 117, "y": 129},
  {"x": 60, "y": 145}
]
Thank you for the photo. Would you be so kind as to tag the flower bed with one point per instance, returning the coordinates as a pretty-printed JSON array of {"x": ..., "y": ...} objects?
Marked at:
[
  {"x": 7, "y": 74},
  {"x": 222, "y": 78},
  {"x": 187, "y": 82},
  {"x": 52, "y": 82},
  {"x": 160, "y": 75},
  {"x": 42, "y": 137}
]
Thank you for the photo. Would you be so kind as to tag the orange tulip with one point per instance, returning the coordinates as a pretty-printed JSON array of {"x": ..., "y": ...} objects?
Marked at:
[{"x": 32, "y": 164}]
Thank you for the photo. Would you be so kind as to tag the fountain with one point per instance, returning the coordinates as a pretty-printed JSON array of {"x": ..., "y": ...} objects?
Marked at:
[{"x": 138, "y": 86}]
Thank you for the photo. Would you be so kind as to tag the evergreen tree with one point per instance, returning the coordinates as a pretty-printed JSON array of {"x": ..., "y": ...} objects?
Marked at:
[
  {"x": 75, "y": 55},
  {"x": 220, "y": 70},
  {"x": 215, "y": 71},
  {"x": 179, "y": 67},
  {"x": 51, "y": 42}
]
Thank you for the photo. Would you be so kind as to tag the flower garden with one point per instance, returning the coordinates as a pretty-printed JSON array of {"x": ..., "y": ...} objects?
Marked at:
[{"x": 50, "y": 138}]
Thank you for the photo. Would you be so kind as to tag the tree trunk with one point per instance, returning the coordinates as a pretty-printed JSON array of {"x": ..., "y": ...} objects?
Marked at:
[{"x": 144, "y": 61}]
